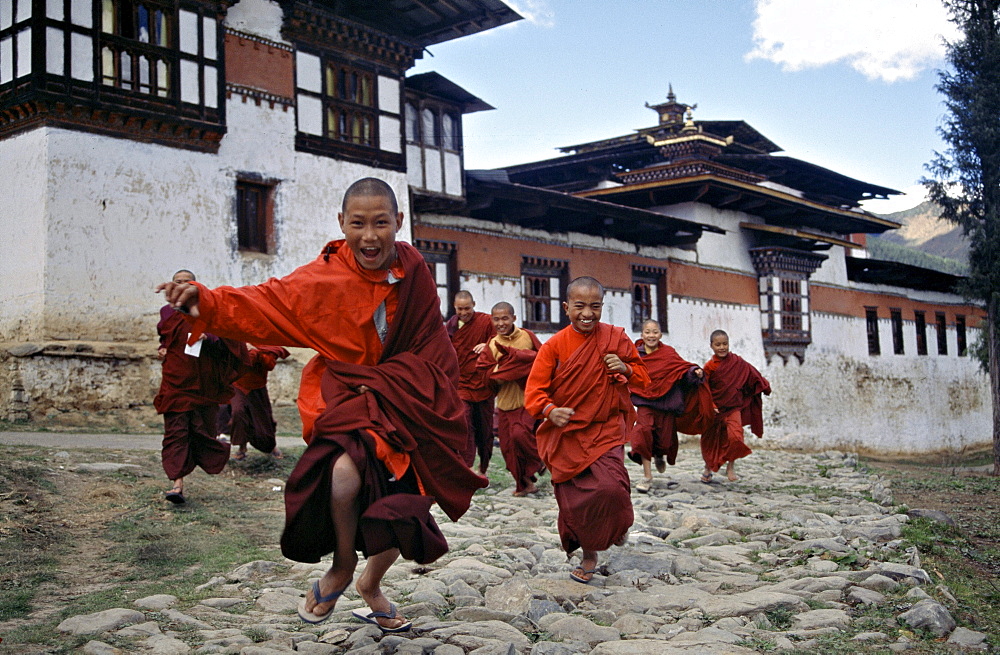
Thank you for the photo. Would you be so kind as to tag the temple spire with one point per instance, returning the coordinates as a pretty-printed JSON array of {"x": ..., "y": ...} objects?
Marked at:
[{"x": 671, "y": 112}]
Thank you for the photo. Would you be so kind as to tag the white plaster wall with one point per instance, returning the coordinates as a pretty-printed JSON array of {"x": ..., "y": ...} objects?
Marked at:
[
  {"x": 124, "y": 216},
  {"x": 260, "y": 17},
  {"x": 22, "y": 224},
  {"x": 691, "y": 321},
  {"x": 833, "y": 270}
]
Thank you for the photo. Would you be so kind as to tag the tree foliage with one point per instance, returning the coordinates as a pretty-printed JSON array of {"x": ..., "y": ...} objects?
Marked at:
[
  {"x": 965, "y": 180},
  {"x": 966, "y": 177}
]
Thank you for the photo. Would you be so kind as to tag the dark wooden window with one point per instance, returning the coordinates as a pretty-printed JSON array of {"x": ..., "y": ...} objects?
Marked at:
[
  {"x": 349, "y": 104},
  {"x": 648, "y": 296},
  {"x": 921, "y": 325},
  {"x": 441, "y": 259},
  {"x": 896, "y": 320},
  {"x": 254, "y": 216},
  {"x": 963, "y": 349},
  {"x": 544, "y": 287},
  {"x": 791, "y": 304},
  {"x": 871, "y": 323},
  {"x": 942, "y": 333}
]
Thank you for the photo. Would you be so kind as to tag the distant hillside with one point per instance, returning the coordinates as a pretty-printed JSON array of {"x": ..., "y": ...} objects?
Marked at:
[{"x": 924, "y": 230}]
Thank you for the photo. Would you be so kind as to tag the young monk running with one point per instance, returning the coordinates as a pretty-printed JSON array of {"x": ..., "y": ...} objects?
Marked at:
[
  {"x": 505, "y": 363},
  {"x": 379, "y": 404},
  {"x": 736, "y": 388},
  {"x": 469, "y": 331},
  {"x": 579, "y": 384},
  {"x": 675, "y": 400},
  {"x": 195, "y": 381},
  {"x": 251, "y": 420}
]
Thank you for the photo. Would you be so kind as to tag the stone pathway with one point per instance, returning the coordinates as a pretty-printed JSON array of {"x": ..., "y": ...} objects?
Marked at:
[{"x": 794, "y": 552}]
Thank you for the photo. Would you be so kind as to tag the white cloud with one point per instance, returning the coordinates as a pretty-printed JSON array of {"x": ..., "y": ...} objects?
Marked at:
[
  {"x": 912, "y": 196},
  {"x": 537, "y": 12},
  {"x": 888, "y": 40}
]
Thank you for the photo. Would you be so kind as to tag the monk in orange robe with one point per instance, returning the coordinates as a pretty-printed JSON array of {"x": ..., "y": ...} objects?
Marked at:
[
  {"x": 736, "y": 389},
  {"x": 195, "y": 381},
  {"x": 379, "y": 403},
  {"x": 505, "y": 364},
  {"x": 469, "y": 331},
  {"x": 579, "y": 385},
  {"x": 674, "y": 400}
]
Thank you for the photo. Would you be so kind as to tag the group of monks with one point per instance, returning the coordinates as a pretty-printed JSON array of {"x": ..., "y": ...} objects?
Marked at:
[{"x": 396, "y": 405}]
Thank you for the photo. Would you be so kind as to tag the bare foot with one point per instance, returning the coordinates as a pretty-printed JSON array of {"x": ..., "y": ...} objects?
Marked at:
[
  {"x": 531, "y": 489},
  {"x": 376, "y": 600},
  {"x": 731, "y": 472},
  {"x": 332, "y": 580},
  {"x": 584, "y": 572},
  {"x": 277, "y": 454}
]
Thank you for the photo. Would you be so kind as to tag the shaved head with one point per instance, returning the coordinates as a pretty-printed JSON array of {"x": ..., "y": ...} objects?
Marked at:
[
  {"x": 184, "y": 273},
  {"x": 371, "y": 187},
  {"x": 718, "y": 333},
  {"x": 653, "y": 322},
  {"x": 585, "y": 282},
  {"x": 464, "y": 296},
  {"x": 503, "y": 307}
]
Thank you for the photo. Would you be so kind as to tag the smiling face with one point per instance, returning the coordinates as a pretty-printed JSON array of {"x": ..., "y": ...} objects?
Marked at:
[
  {"x": 465, "y": 307},
  {"x": 651, "y": 335},
  {"x": 503, "y": 321},
  {"x": 584, "y": 306},
  {"x": 720, "y": 346},
  {"x": 370, "y": 228}
]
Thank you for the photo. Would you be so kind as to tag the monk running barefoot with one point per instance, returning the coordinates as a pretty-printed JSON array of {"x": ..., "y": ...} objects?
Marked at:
[
  {"x": 736, "y": 389},
  {"x": 469, "y": 331},
  {"x": 195, "y": 381},
  {"x": 379, "y": 403},
  {"x": 579, "y": 384},
  {"x": 505, "y": 363},
  {"x": 675, "y": 399}
]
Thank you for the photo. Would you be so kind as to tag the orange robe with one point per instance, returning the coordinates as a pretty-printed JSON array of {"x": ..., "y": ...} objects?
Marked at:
[
  {"x": 586, "y": 456},
  {"x": 404, "y": 435}
]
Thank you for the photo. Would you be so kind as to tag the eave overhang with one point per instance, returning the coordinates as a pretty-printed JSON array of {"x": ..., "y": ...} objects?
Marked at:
[
  {"x": 775, "y": 207},
  {"x": 895, "y": 274},
  {"x": 800, "y": 238},
  {"x": 491, "y": 199},
  {"x": 438, "y": 86},
  {"x": 422, "y": 22}
]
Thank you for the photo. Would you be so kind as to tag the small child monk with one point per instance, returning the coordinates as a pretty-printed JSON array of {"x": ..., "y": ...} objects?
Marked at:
[
  {"x": 579, "y": 385},
  {"x": 736, "y": 389},
  {"x": 505, "y": 364},
  {"x": 675, "y": 399},
  {"x": 250, "y": 417},
  {"x": 195, "y": 381}
]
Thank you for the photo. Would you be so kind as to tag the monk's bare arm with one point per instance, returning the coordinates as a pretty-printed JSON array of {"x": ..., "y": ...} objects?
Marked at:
[{"x": 181, "y": 296}]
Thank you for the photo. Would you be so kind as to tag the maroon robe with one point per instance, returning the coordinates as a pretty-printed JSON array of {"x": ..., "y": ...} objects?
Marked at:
[
  {"x": 191, "y": 390},
  {"x": 736, "y": 389},
  {"x": 414, "y": 408},
  {"x": 515, "y": 427},
  {"x": 675, "y": 399},
  {"x": 472, "y": 389},
  {"x": 250, "y": 419}
]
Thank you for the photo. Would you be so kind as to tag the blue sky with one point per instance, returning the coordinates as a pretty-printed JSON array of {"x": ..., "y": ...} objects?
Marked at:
[{"x": 845, "y": 84}]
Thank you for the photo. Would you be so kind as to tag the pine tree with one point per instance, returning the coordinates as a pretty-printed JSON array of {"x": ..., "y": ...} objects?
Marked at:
[{"x": 965, "y": 179}]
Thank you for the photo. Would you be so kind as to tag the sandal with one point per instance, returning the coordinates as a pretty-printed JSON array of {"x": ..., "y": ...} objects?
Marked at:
[
  {"x": 368, "y": 615},
  {"x": 309, "y": 617},
  {"x": 661, "y": 466},
  {"x": 706, "y": 478},
  {"x": 175, "y": 495},
  {"x": 583, "y": 572},
  {"x": 239, "y": 457},
  {"x": 643, "y": 486}
]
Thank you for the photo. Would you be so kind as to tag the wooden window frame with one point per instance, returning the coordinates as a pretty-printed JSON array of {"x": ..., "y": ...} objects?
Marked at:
[
  {"x": 446, "y": 253},
  {"x": 871, "y": 327},
  {"x": 534, "y": 270},
  {"x": 960, "y": 335},
  {"x": 255, "y": 234},
  {"x": 651, "y": 283},
  {"x": 920, "y": 327},
  {"x": 896, "y": 323},
  {"x": 942, "y": 332}
]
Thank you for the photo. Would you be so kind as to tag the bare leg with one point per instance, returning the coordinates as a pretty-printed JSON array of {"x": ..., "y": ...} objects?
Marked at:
[
  {"x": 731, "y": 472},
  {"x": 369, "y": 585},
  {"x": 647, "y": 469},
  {"x": 344, "y": 487},
  {"x": 178, "y": 485}
]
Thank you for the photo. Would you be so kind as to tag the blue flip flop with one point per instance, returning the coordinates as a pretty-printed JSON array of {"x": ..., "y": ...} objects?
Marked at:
[
  {"x": 309, "y": 617},
  {"x": 368, "y": 615},
  {"x": 580, "y": 579}
]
